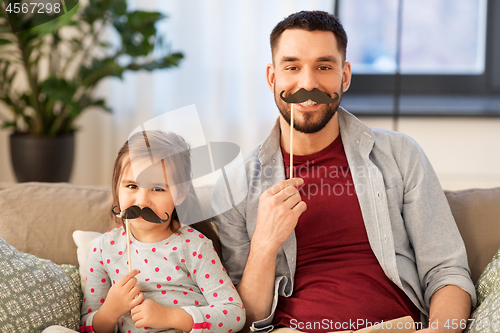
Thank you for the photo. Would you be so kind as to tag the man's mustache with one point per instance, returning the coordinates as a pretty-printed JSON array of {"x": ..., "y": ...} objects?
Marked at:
[
  {"x": 315, "y": 95},
  {"x": 134, "y": 212}
]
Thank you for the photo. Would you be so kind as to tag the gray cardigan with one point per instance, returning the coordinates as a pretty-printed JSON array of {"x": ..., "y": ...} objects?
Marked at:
[{"x": 408, "y": 221}]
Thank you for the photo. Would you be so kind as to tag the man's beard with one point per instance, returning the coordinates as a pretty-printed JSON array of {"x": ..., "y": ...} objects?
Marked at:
[{"x": 312, "y": 121}]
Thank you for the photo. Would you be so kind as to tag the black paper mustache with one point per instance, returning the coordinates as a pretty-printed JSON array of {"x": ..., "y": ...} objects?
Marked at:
[
  {"x": 315, "y": 95},
  {"x": 134, "y": 212}
]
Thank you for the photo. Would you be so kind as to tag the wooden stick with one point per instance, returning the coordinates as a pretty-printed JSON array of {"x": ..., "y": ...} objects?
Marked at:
[
  {"x": 127, "y": 223},
  {"x": 291, "y": 140}
]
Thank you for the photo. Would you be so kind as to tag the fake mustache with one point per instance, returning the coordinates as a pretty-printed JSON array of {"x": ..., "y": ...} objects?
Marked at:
[
  {"x": 134, "y": 212},
  {"x": 315, "y": 95}
]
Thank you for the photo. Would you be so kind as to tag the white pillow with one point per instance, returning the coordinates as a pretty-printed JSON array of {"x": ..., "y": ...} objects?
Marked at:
[{"x": 83, "y": 241}]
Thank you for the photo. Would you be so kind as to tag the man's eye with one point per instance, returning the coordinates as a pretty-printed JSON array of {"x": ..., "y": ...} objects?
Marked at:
[
  {"x": 292, "y": 68},
  {"x": 324, "y": 68}
]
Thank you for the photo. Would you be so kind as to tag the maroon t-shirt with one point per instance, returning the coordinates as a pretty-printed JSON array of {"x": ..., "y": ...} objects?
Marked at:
[{"x": 338, "y": 279}]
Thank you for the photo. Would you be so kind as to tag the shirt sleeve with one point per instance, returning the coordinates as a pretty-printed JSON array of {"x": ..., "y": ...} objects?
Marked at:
[
  {"x": 96, "y": 288},
  {"x": 233, "y": 233},
  {"x": 224, "y": 312},
  {"x": 440, "y": 253}
]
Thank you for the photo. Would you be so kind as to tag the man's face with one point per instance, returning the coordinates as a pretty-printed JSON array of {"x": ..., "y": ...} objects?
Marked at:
[{"x": 308, "y": 59}]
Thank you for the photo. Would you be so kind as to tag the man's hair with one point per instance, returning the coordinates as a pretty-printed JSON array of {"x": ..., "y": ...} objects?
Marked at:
[{"x": 310, "y": 21}]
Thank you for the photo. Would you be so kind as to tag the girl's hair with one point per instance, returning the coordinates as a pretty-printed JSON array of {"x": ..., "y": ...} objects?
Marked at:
[{"x": 179, "y": 159}]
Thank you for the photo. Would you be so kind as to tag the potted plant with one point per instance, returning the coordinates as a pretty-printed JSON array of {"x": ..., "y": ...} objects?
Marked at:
[{"x": 48, "y": 74}]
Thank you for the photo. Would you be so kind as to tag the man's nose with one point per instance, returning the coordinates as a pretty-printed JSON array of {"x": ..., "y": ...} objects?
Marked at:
[{"x": 308, "y": 79}]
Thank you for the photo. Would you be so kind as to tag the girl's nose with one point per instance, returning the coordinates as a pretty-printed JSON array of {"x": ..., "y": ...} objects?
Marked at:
[{"x": 142, "y": 198}]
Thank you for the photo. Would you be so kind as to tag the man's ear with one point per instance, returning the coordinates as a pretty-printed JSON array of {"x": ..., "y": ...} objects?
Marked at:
[
  {"x": 270, "y": 76},
  {"x": 346, "y": 76}
]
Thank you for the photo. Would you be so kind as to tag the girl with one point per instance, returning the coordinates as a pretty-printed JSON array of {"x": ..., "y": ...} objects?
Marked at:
[{"x": 178, "y": 282}]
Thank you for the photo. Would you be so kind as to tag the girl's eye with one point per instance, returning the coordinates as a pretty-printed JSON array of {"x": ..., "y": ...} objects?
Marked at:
[
  {"x": 132, "y": 186},
  {"x": 158, "y": 189}
]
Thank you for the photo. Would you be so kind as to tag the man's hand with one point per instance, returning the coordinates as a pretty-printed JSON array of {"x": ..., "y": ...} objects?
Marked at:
[
  {"x": 153, "y": 315},
  {"x": 278, "y": 213}
]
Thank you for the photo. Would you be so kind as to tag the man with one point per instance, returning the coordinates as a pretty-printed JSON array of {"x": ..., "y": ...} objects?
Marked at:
[{"x": 364, "y": 233}]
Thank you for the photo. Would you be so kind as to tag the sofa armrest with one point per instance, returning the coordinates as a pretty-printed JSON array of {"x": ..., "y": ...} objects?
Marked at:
[
  {"x": 477, "y": 214},
  {"x": 39, "y": 218}
]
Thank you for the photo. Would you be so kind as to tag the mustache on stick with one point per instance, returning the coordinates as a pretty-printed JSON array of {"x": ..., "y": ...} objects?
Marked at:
[
  {"x": 315, "y": 95},
  {"x": 134, "y": 212}
]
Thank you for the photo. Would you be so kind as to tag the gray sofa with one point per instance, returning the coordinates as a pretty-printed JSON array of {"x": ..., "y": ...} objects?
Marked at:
[{"x": 39, "y": 218}]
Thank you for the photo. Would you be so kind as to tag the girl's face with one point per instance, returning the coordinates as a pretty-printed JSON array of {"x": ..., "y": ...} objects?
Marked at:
[{"x": 156, "y": 196}]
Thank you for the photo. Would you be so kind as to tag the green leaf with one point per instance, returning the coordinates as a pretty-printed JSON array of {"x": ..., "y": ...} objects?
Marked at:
[
  {"x": 8, "y": 124},
  {"x": 5, "y": 41},
  {"x": 59, "y": 89},
  {"x": 99, "y": 70}
]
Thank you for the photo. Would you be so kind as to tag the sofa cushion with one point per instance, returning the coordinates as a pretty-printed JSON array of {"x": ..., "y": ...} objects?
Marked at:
[
  {"x": 36, "y": 293},
  {"x": 39, "y": 218},
  {"x": 477, "y": 213}
]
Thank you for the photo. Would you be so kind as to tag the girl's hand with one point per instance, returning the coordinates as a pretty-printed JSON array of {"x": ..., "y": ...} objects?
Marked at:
[
  {"x": 153, "y": 315},
  {"x": 123, "y": 295}
]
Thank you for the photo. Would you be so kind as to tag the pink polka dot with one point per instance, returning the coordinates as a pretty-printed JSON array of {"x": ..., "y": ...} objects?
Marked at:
[
  {"x": 229, "y": 331},
  {"x": 102, "y": 300},
  {"x": 157, "y": 269},
  {"x": 220, "y": 324},
  {"x": 91, "y": 270},
  {"x": 207, "y": 316},
  {"x": 213, "y": 261},
  {"x": 201, "y": 236},
  {"x": 196, "y": 302},
  {"x": 187, "y": 240},
  {"x": 153, "y": 249},
  {"x": 117, "y": 271},
  {"x": 194, "y": 254},
  {"x": 202, "y": 289},
  {"x": 177, "y": 268},
  {"x": 146, "y": 261},
  {"x": 137, "y": 251},
  {"x": 103, "y": 280},
  {"x": 114, "y": 282},
  {"x": 238, "y": 318},
  {"x": 167, "y": 243},
  {"x": 176, "y": 301},
  {"x": 90, "y": 310},
  {"x": 200, "y": 256},
  {"x": 146, "y": 280},
  {"x": 188, "y": 275},
  {"x": 102, "y": 263},
  {"x": 112, "y": 242},
  {"x": 207, "y": 276},
  {"x": 194, "y": 271},
  {"x": 190, "y": 230},
  {"x": 123, "y": 323},
  {"x": 223, "y": 269},
  {"x": 215, "y": 295},
  {"x": 163, "y": 292},
  {"x": 123, "y": 233},
  {"x": 158, "y": 286},
  {"x": 221, "y": 281},
  {"x": 224, "y": 312},
  {"x": 165, "y": 258},
  {"x": 108, "y": 261},
  {"x": 92, "y": 290},
  {"x": 182, "y": 260},
  {"x": 169, "y": 278},
  {"x": 230, "y": 299},
  {"x": 212, "y": 306},
  {"x": 174, "y": 248},
  {"x": 120, "y": 253},
  {"x": 95, "y": 249},
  {"x": 185, "y": 292}
]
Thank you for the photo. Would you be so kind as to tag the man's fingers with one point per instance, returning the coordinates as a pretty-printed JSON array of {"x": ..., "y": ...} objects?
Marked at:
[{"x": 295, "y": 182}]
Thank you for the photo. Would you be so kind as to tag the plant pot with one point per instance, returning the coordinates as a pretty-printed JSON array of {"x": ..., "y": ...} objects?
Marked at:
[{"x": 41, "y": 158}]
